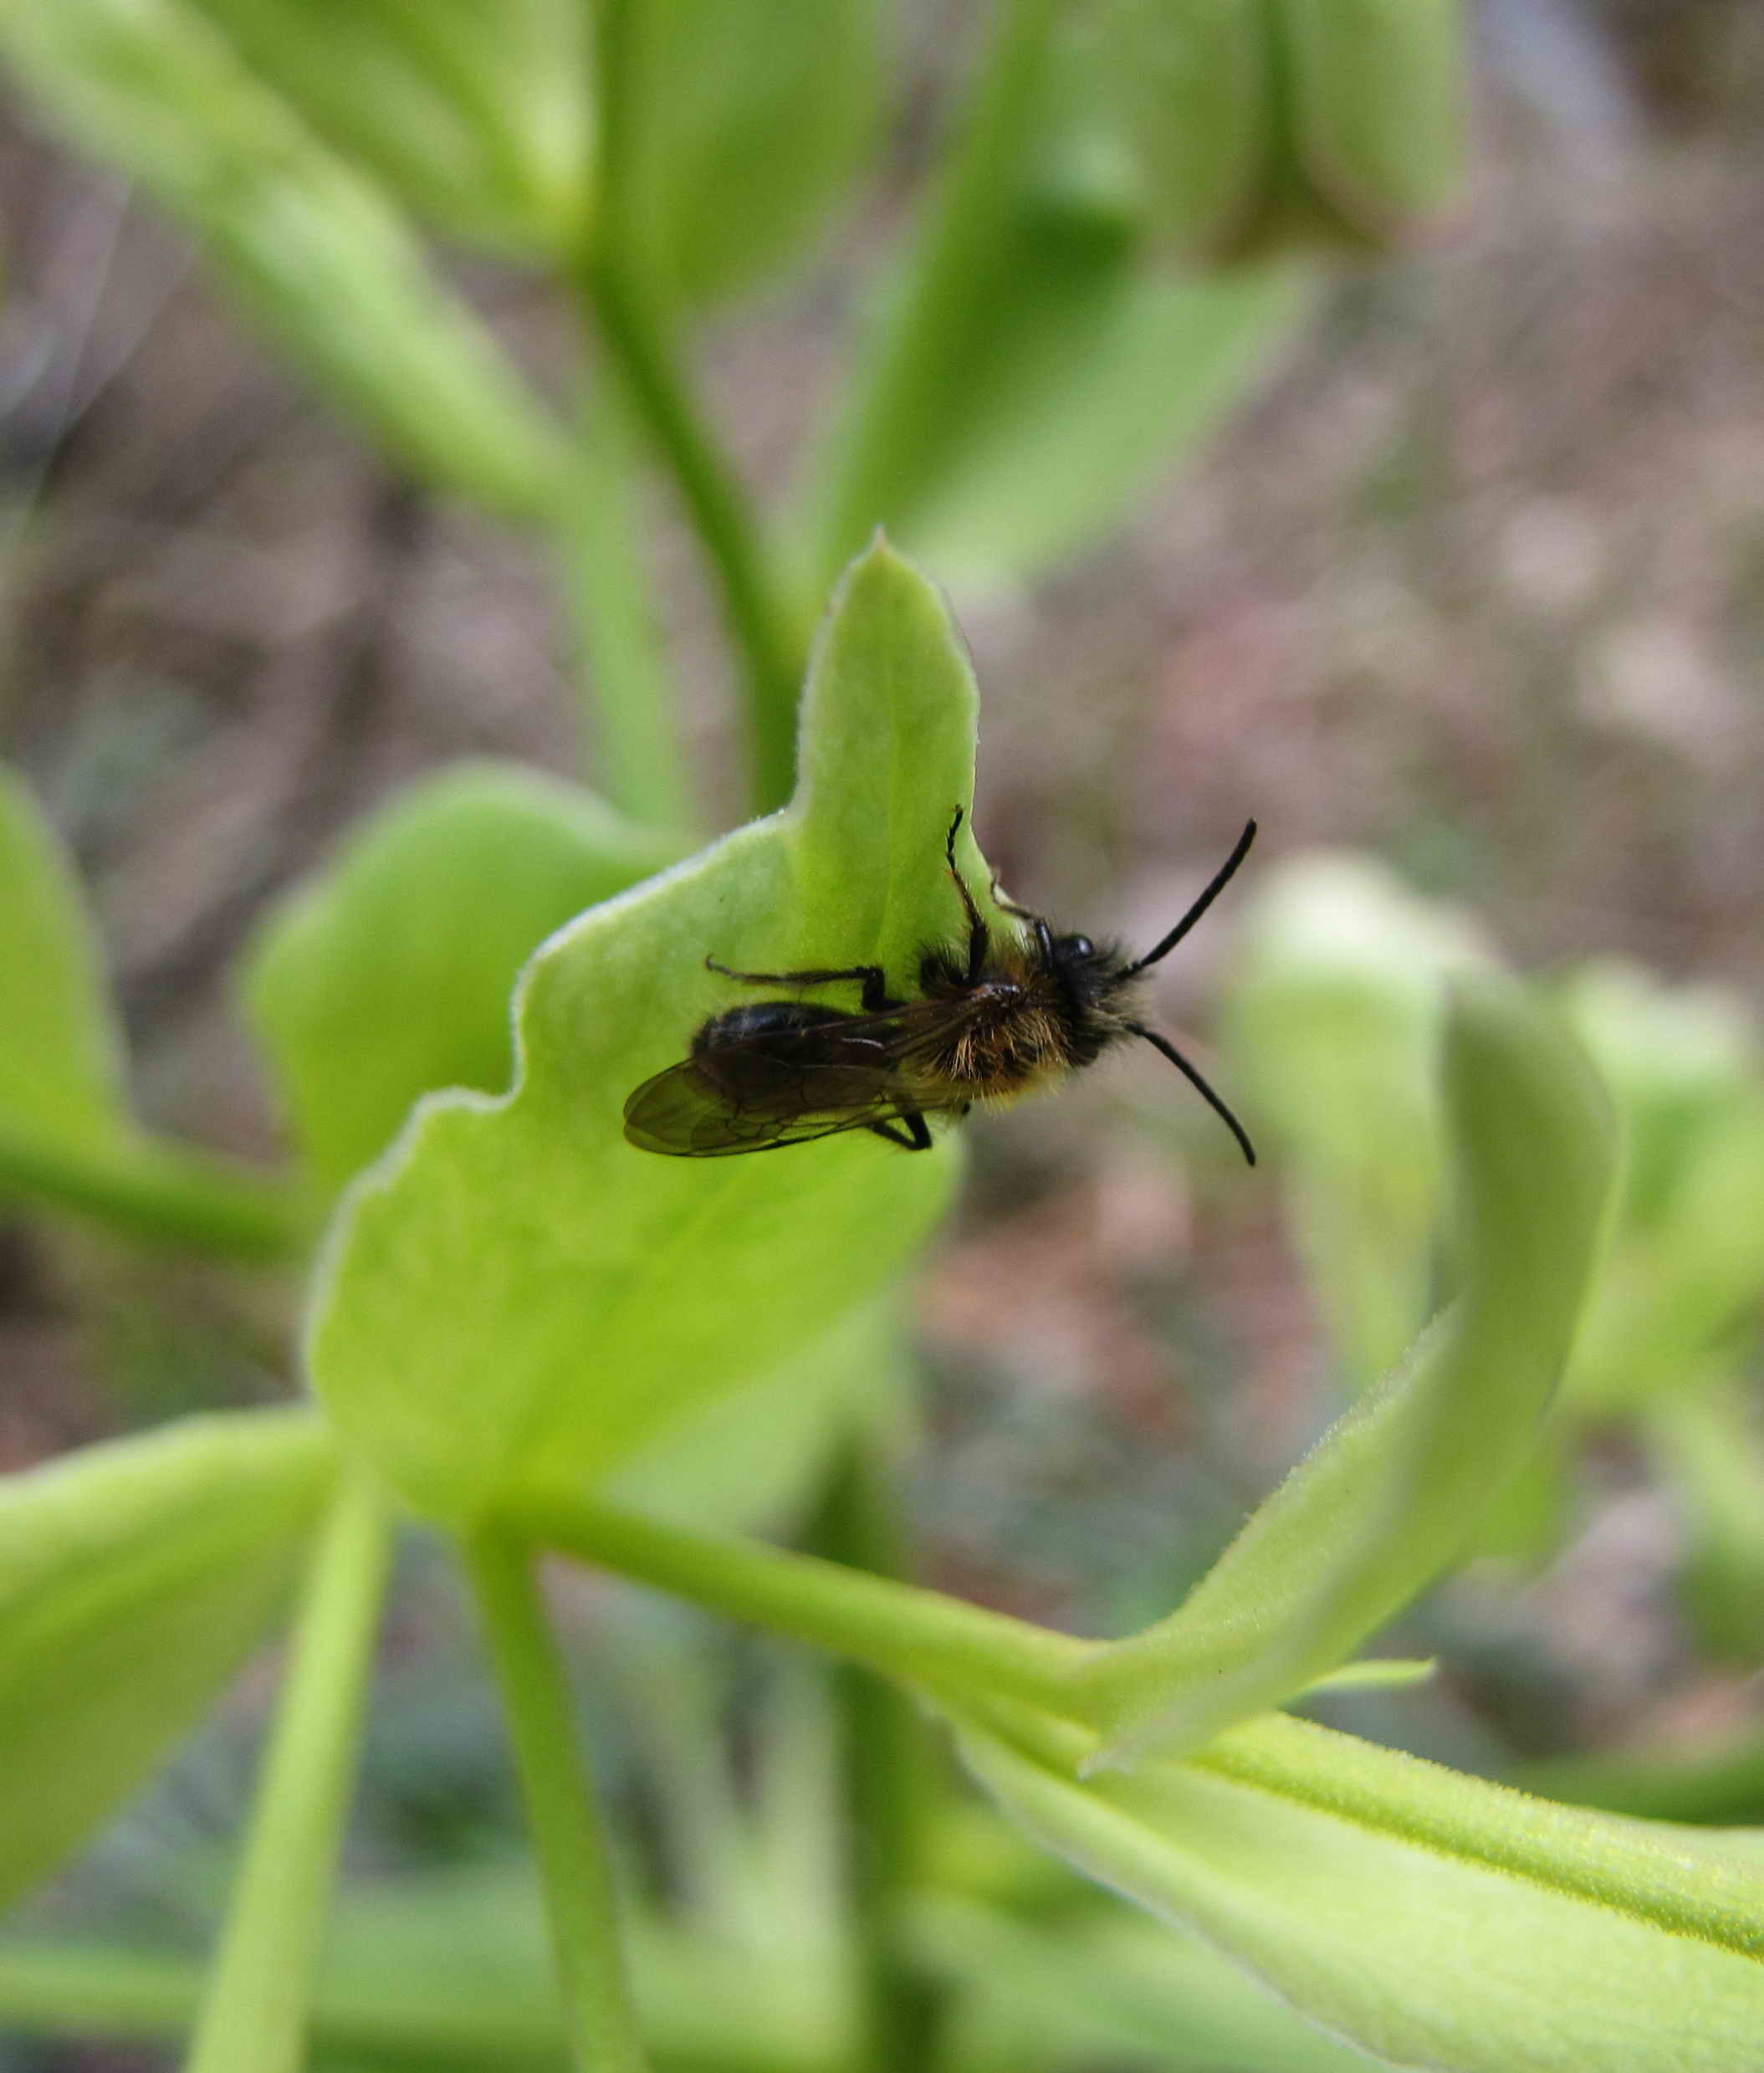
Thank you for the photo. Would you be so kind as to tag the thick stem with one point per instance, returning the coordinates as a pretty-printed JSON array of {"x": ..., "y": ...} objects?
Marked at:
[
  {"x": 920, "y": 1636},
  {"x": 886, "y": 1771},
  {"x": 616, "y": 283},
  {"x": 165, "y": 1194},
  {"x": 561, "y": 1812},
  {"x": 256, "y": 2007},
  {"x": 774, "y": 654},
  {"x": 632, "y": 710}
]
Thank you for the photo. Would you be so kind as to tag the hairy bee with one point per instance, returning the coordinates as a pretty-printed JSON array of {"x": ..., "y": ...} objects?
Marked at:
[{"x": 996, "y": 1020}]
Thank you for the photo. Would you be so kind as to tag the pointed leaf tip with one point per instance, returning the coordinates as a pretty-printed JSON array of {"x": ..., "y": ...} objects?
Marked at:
[
  {"x": 515, "y": 1293},
  {"x": 1394, "y": 1491}
]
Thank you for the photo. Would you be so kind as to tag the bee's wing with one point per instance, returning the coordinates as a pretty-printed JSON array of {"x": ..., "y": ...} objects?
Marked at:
[
  {"x": 684, "y": 1112},
  {"x": 790, "y": 1087}
]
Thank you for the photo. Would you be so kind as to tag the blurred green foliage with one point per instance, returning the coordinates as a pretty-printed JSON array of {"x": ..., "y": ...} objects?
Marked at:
[{"x": 1334, "y": 1015}]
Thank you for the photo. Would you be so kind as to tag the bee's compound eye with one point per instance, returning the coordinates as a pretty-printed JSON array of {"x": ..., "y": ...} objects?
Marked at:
[{"x": 1083, "y": 947}]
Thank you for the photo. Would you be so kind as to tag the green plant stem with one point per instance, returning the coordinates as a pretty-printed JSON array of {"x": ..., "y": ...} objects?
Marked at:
[
  {"x": 887, "y": 1766},
  {"x": 770, "y": 634},
  {"x": 904, "y": 1631},
  {"x": 766, "y": 633},
  {"x": 256, "y": 2010},
  {"x": 96, "y": 1992},
  {"x": 560, "y": 1808},
  {"x": 639, "y": 765},
  {"x": 947, "y": 280},
  {"x": 165, "y": 1194}
]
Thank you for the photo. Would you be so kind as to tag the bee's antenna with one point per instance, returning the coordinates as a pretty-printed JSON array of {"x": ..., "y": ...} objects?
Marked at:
[
  {"x": 1221, "y": 877},
  {"x": 1189, "y": 1072}
]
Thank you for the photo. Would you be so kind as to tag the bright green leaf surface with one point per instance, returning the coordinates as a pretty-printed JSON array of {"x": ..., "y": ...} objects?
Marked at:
[
  {"x": 134, "y": 1577},
  {"x": 474, "y": 112},
  {"x": 754, "y": 1458},
  {"x": 1396, "y": 1488},
  {"x": 744, "y": 125},
  {"x": 311, "y": 248},
  {"x": 60, "y": 1057},
  {"x": 517, "y": 1292},
  {"x": 1436, "y": 1921},
  {"x": 390, "y": 976}
]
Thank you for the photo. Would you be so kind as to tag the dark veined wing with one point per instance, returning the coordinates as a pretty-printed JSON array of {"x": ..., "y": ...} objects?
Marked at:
[
  {"x": 758, "y": 1093},
  {"x": 684, "y": 1112}
]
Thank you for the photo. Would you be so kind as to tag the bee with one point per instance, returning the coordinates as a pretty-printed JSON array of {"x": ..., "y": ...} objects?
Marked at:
[{"x": 992, "y": 1020}]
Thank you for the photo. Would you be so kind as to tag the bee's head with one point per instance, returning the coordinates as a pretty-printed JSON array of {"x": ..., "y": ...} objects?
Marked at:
[{"x": 1091, "y": 973}]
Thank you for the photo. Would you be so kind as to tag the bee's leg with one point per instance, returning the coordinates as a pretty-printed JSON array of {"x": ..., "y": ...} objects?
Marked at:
[
  {"x": 979, "y": 937},
  {"x": 1043, "y": 934},
  {"x": 876, "y": 1000},
  {"x": 918, "y": 1137},
  {"x": 1010, "y": 907}
]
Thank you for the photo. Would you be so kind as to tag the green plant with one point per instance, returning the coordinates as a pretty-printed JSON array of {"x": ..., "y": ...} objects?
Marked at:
[
  {"x": 1334, "y": 1012},
  {"x": 534, "y": 1340}
]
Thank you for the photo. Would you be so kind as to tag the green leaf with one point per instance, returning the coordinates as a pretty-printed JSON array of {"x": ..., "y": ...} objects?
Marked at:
[
  {"x": 742, "y": 126},
  {"x": 1098, "y": 379},
  {"x": 1036, "y": 373},
  {"x": 1434, "y": 1919},
  {"x": 1378, "y": 95},
  {"x": 1105, "y": 1989},
  {"x": 519, "y": 1293},
  {"x": 475, "y": 114},
  {"x": 1260, "y": 123},
  {"x": 1687, "y": 1271},
  {"x": 749, "y": 1460},
  {"x": 312, "y": 249},
  {"x": 1396, "y": 1488},
  {"x": 1333, "y": 1021},
  {"x": 390, "y": 976},
  {"x": 1335, "y": 1010},
  {"x": 67, "y": 1139},
  {"x": 134, "y": 1577},
  {"x": 1196, "y": 85},
  {"x": 60, "y": 1053}
]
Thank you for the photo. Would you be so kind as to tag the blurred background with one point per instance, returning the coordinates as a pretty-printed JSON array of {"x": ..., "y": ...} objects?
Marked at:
[{"x": 1469, "y": 583}]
